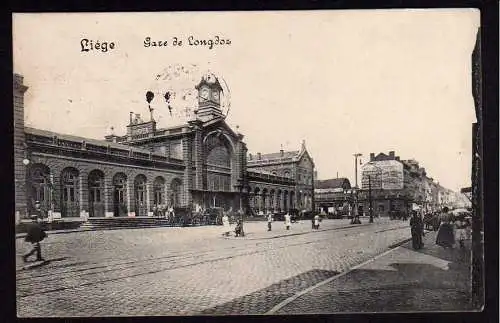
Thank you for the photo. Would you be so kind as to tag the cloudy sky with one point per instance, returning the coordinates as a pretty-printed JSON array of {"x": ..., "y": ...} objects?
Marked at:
[{"x": 343, "y": 81}]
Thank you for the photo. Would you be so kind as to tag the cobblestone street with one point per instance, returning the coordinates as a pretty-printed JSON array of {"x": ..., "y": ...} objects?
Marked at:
[{"x": 191, "y": 271}]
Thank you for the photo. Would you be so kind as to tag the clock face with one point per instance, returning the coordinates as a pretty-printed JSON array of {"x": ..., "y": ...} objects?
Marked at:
[
  {"x": 204, "y": 94},
  {"x": 215, "y": 95}
]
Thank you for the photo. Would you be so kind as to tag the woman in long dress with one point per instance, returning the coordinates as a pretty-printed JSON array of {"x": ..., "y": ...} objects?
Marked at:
[
  {"x": 316, "y": 222},
  {"x": 288, "y": 221},
  {"x": 446, "y": 235},
  {"x": 226, "y": 225}
]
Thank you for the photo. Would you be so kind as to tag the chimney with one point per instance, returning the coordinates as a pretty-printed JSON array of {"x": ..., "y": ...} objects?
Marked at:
[
  {"x": 249, "y": 156},
  {"x": 372, "y": 156},
  {"x": 137, "y": 117},
  {"x": 131, "y": 116},
  {"x": 391, "y": 154},
  {"x": 259, "y": 156},
  {"x": 396, "y": 158},
  {"x": 282, "y": 152}
]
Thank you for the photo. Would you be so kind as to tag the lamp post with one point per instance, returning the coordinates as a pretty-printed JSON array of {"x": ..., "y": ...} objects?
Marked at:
[
  {"x": 356, "y": 155},
  {"x": 370, "y": 189},
  {"x": 370, "y": 197}
]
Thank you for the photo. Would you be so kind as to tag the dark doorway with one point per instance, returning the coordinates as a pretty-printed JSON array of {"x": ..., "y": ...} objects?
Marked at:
[
  {"x": 70, "y": 197},
  {"x": 96, "y": 194},
  {"x": 119, "y": 195}
]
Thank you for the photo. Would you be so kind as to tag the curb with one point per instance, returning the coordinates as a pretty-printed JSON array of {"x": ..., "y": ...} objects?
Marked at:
[
  {"x": 287, "y": 301},
  {"x": 398, "y": 244}
]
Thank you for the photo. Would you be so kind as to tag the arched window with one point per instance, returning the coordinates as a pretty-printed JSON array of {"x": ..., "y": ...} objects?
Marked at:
[
  {"x": 119, "y": 195},
  {"x": 40, "y": 187},
  {"x": 159, "y": 191},
  {"x": 286, "y": 174},
  {"x": 70, "y": 193},
  {"x": 175, "y": 192},
  {"x": 140, "y": 195},
  {"x": 96, "y": 193}
]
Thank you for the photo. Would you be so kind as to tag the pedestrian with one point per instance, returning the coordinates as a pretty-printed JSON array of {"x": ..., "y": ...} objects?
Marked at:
[
  {"x": 462, "y": 226},
  {"x": 445, "y": 236},
  {"x": 417, "y": 231},
  {"x": 238, "y": 231},
  {"x": 34, "y": 234},
  {"x": 269, "y": 221},
  {"x": 312, "y": 223},
  {"x": 316, "y": 222},
  {"x": 288, "y": 221},
  {"x": 226, "y": 225}
]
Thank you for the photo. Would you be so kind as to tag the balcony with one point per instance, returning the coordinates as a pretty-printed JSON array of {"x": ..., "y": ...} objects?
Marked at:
[{"x": 256, "y": 176}]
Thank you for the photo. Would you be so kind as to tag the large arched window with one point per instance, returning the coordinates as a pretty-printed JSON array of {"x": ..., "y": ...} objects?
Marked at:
[
  {"x": 159, "y": 191},
  {"x": 96, "y": 193},
  {"x": 70, "y": 193},
  {"x": 219, "y": 156},
  {"x": 119, "y": 195},
  {"x": 175, "y": 192},
  {"x": 40, "y": 187},
  {"x": 140, "y": 195}
]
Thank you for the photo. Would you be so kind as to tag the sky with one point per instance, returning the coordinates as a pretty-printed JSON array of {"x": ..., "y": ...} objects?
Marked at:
[{"x": 344, "y": 81}]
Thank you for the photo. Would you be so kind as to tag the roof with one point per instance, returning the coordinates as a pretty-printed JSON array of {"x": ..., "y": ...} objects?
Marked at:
[
  {"x": 46, "y": 133},
  {"x": 272, "y": 156},
  {"x": 332, "y": 183}
]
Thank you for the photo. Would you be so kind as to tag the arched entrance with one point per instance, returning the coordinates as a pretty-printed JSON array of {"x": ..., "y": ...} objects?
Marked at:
[
  {"x": 70, "y": 206},
  {"x": 272, "y": 198},
  {"x": 285, "y": 201},
  {"x": 264, "y": 200},
  {"x": 175, "y": 192},
  {"x": 256, "y": 199},
  {"x": 292, "y": 200},
  {"x": 159, "y": 191},
  {"x": 96, "y": 193},
  {"x": 120, "y": 195},
  {"x": 40, "y": 189},
  {"x": 141, "y": 206},
  {"x": 279, "y": 201}
]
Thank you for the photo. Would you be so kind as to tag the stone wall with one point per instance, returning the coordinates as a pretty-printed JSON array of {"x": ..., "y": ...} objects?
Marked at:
[{"x": 19, "y": 147}]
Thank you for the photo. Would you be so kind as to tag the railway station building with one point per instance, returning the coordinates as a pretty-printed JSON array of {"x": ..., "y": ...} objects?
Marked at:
[{"x": 200, "y": 164}]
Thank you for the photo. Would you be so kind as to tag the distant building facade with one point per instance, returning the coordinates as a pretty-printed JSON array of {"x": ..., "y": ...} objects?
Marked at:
[
  {"x": 397, "y": 186},
  {"x": 296, "y": 166},
  {"x": 199, "y": 164},
  {"x": 333, "y": 195}
]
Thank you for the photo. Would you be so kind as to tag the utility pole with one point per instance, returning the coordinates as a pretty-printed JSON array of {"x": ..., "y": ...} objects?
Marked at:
[
  {"x": 356, "y": 168},
  {"x": 370, "y": 197},
  {"x": 355, "y": 213}
]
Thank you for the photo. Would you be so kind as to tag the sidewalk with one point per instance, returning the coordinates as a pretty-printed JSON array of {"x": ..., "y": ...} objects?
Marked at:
[{"x": 400, "y": 280}]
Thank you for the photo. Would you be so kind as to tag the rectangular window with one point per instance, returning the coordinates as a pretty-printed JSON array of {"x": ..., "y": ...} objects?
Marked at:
[{"x": 176, "y": 149}]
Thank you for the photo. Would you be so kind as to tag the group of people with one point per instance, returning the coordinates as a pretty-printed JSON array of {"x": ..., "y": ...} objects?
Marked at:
[
  {"x": 450, "y": 229},
  {"x": 164, "y": 211},
  {"x": 226, "y": 225}
]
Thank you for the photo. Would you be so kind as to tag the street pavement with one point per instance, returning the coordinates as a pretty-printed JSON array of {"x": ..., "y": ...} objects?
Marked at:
[
  {"x": 192, "y": 271},
  {"x": 402, "y": 280}
]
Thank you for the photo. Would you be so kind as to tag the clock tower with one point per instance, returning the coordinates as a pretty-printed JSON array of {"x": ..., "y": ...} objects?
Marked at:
[{"x": 209, "y": 90}]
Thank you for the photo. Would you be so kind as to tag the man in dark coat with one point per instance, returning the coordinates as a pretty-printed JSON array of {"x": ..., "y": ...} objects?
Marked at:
[
  {"x": 417, "y": 230},
  {"x": 34, "y": 235}
]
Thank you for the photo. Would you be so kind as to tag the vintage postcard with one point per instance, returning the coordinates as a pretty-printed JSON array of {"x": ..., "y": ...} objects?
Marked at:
[{"x": 236, "y": 163}]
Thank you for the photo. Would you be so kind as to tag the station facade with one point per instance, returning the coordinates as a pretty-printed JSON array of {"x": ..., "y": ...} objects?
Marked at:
[{"x": 200, "y": 164}]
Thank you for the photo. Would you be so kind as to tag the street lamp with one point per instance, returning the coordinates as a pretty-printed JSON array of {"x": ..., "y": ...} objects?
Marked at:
[
  {"x": 356, "y": 155},
  {"x": 370, "y": 188}
]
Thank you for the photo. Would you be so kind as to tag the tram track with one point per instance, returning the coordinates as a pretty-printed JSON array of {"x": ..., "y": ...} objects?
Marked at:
[{"x": 83, "y": 277}]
